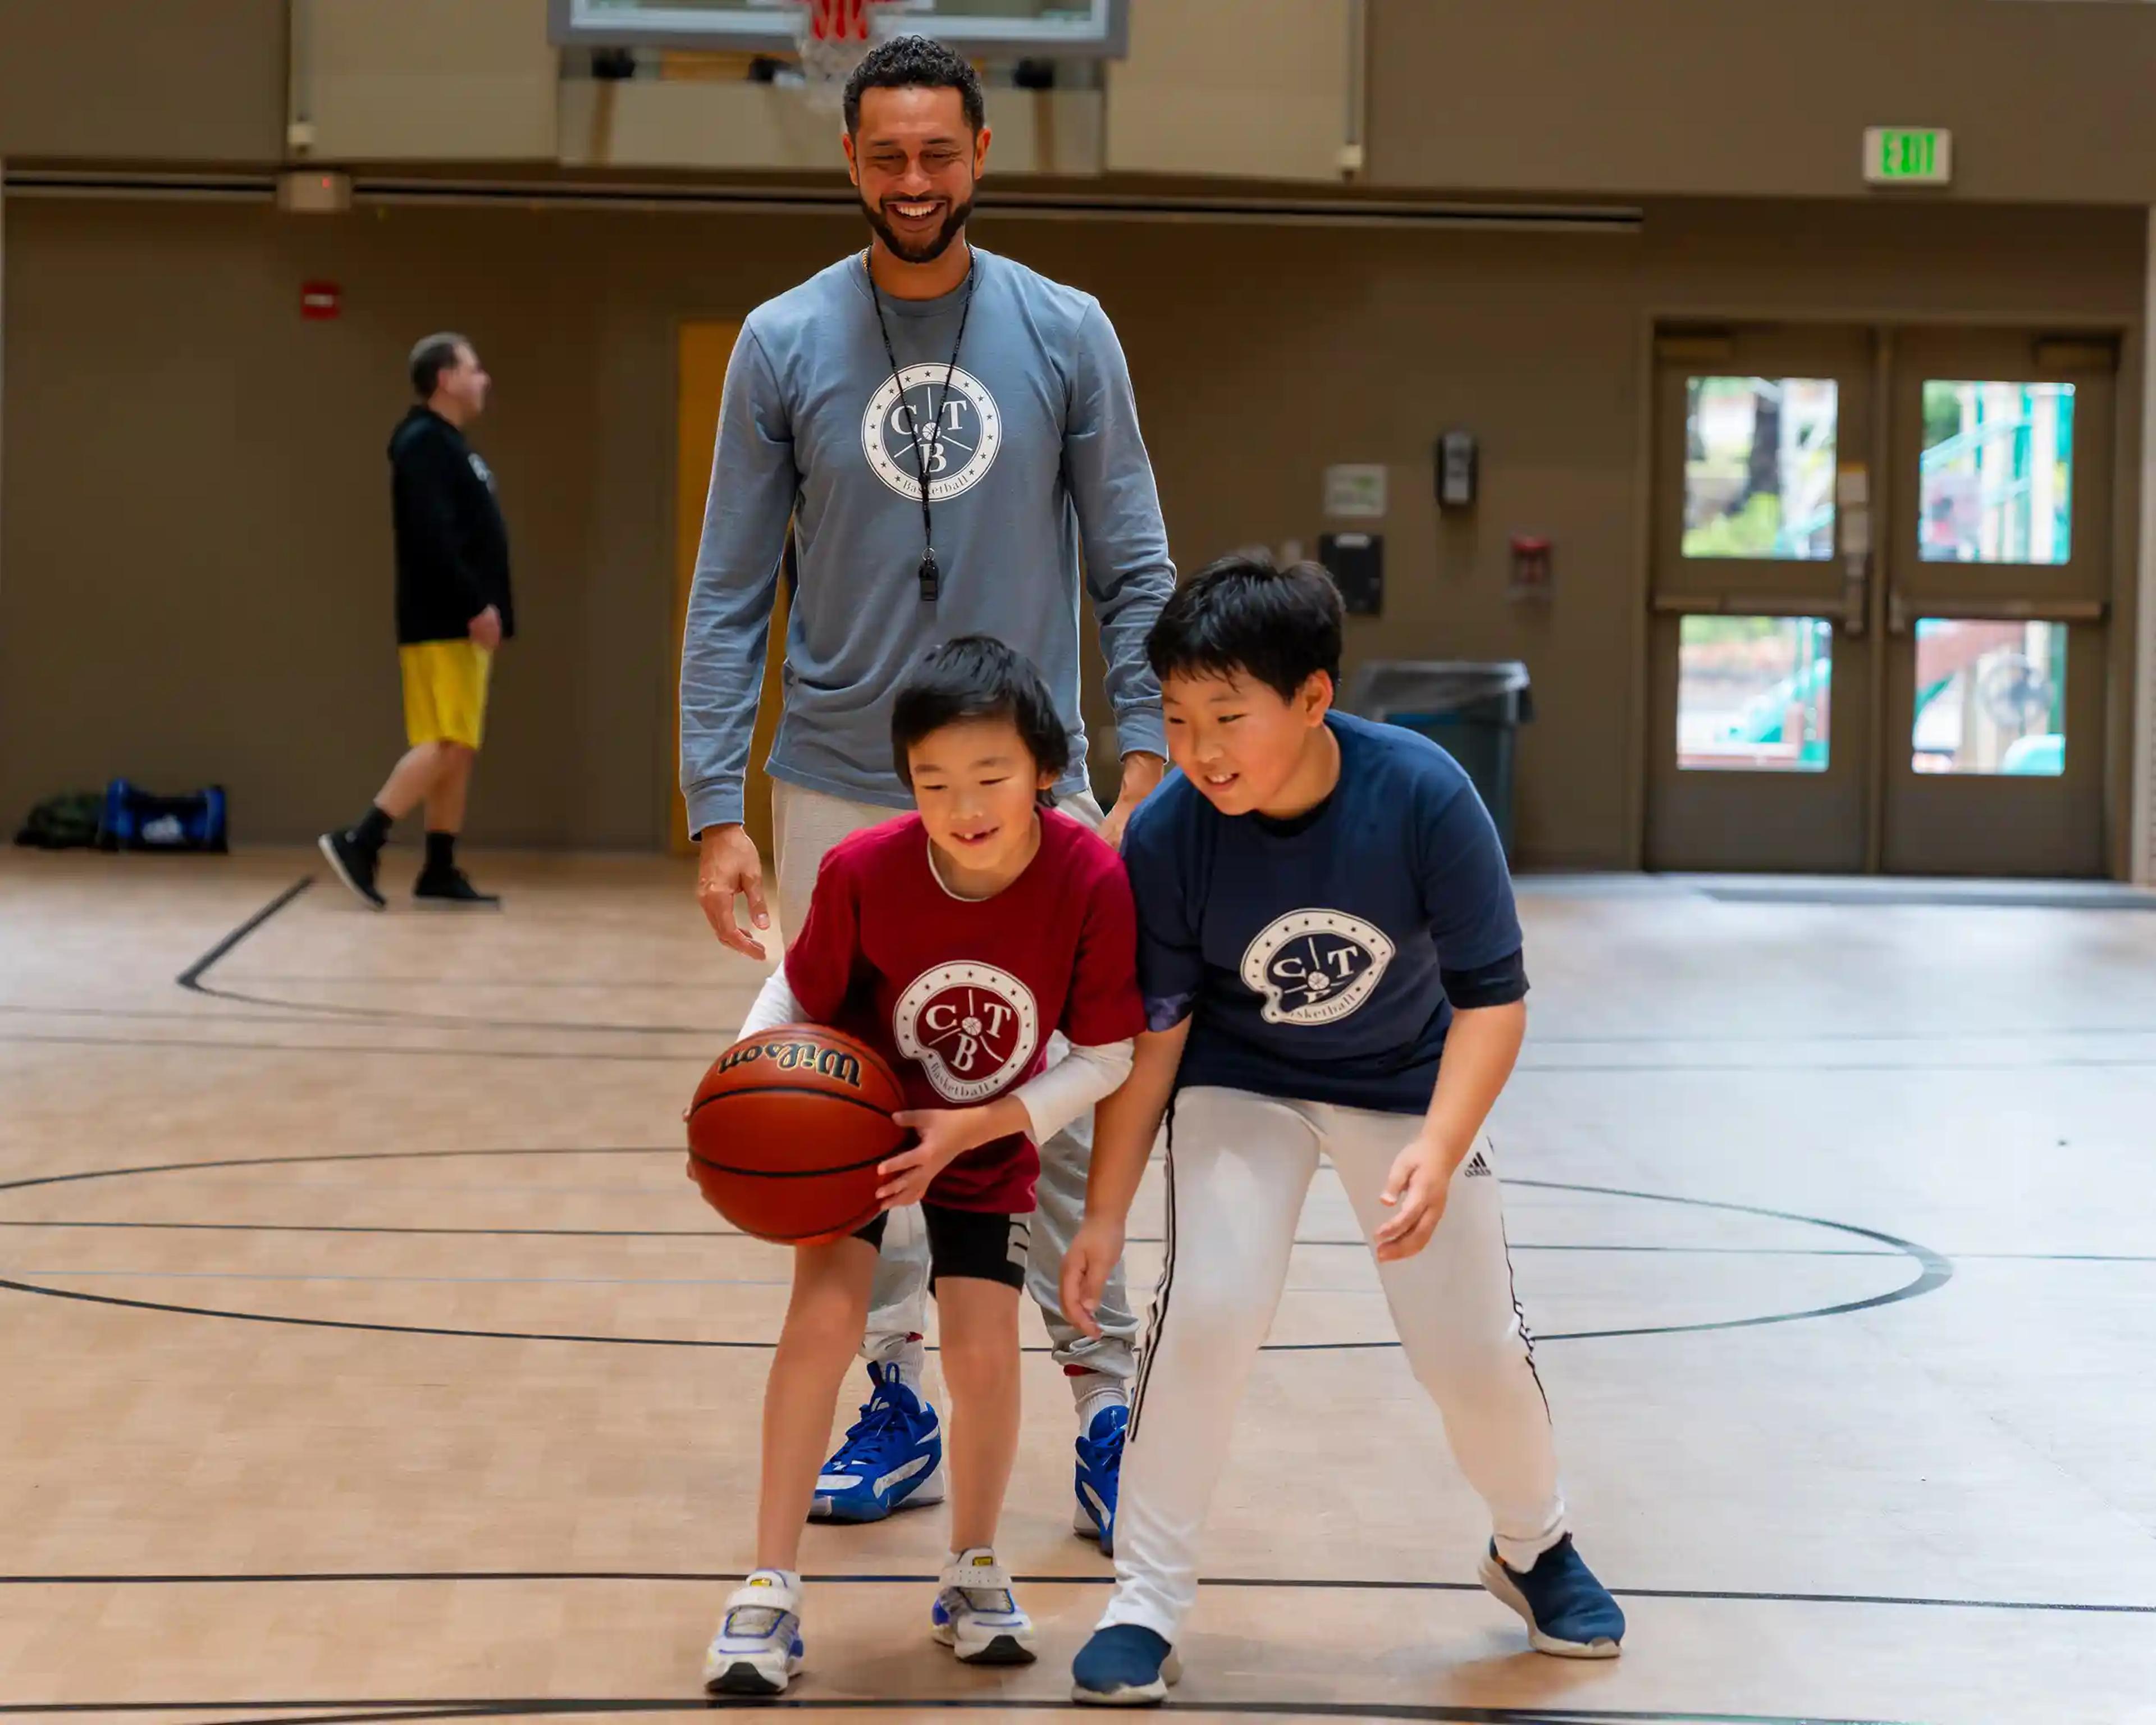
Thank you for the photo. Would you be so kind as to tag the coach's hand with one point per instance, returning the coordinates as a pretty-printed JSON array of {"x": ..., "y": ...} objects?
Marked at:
[
  {"x": 729, "y": 867},
  {"x": 1415, "y": 1189},
  {"x": 486, "y": 629},
  {"x": 1142, "y": 776},
  {"x": 1086, "y": 1267}
]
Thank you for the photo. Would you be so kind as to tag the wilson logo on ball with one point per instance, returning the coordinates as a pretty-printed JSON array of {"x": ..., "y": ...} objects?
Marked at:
[{"x": 788, "y": 1056}]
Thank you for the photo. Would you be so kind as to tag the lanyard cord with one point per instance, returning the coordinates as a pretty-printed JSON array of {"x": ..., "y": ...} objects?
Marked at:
[{"x": 931, "y": 575}]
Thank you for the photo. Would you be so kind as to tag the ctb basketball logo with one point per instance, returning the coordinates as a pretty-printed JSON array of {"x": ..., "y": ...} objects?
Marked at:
[
  {"x": 915, "y": 424},
  {"x": 973, "y": 1028},
  {"x": 1315, "y": 967}
]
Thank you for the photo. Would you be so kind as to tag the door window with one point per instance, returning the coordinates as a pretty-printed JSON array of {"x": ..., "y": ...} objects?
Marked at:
[
  {"x": 1995, "y": 478},
  {"x": 1759, "y": 468},
  {"x": 1754, "y": 694}
]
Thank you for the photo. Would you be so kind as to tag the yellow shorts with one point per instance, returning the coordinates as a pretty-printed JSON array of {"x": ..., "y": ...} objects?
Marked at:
[{"x": 445, "y": 692}]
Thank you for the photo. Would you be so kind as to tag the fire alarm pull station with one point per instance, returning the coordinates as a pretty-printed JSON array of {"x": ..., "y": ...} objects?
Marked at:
[
  {"x": 1455, "y": 470},
  {"x": 1530, "y": 577}
]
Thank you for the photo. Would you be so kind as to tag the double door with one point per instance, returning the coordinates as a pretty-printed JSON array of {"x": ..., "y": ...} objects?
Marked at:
[{"x": 1881, "y": 576}]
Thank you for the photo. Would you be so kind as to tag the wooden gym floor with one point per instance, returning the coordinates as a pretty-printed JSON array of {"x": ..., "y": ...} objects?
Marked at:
[{"x": 368, "y": 1358}]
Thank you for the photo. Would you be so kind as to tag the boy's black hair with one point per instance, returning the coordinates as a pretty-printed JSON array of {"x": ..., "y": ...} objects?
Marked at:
[
  {"x": 978, "y": 677},
  {"x": 1243, "y": 614},
  {"x": 915, "y": 63}
]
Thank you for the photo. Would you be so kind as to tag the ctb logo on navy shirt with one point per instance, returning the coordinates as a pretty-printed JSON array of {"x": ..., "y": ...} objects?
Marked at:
[{"x": 1315, "y": 967}]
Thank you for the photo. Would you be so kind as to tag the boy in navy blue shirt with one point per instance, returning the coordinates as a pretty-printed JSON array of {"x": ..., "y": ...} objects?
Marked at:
[{"x": 1331, "y": 965}]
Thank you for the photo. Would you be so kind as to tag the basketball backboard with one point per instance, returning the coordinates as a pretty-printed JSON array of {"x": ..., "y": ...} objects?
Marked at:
[{"x": 1049, "y": 30}]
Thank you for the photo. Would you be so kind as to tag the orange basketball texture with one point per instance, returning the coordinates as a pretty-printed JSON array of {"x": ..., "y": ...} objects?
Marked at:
[{"x": 786, "y": 1130}]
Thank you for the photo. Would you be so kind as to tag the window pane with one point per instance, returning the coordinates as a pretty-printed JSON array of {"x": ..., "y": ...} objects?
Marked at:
[
  {"x": 1753, "y": 693},
  {"x": 1997, "y": 473},
  {"x": 1991, "y": 697},
  {"x": 1759, "y": 468}
]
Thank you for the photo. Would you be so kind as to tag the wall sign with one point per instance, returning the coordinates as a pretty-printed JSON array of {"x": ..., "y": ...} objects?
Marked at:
[
  {"x": 321, "y": 301},
  {"x": 1355, "y": 490},
  {"x": 1907, "y": 155}
]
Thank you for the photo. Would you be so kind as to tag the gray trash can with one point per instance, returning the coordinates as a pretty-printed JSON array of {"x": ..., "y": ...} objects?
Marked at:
[{"x": 1473, "y": 709}]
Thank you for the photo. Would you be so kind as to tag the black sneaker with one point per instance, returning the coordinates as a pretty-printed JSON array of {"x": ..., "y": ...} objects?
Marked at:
[
  {"x": 355, "y": 865},
  {"x": 452, "y": 886}
]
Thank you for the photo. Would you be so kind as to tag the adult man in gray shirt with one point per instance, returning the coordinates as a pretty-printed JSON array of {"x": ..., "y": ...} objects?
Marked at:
[{"x": 953, "y": 440}]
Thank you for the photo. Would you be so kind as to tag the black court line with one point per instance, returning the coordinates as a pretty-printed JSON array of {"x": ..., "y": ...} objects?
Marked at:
[
  {"x": 1536, "y": 1038},
  {"x": 1709, "y": 1251},
  {"x": 387, "y": 1050},
  {"x": 1282, "y": 1584},
  {"x": 192, "y": 978},
  {"x": 385, "y": 1710},
  {"x": 1731, "y": 1251},
  {"x": 1527, "y": 1069},
  {"x": 1934, "y": 1270}
]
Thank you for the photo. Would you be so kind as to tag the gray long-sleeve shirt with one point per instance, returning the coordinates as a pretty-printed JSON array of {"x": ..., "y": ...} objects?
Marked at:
[{"x": 1036, "y": 473}]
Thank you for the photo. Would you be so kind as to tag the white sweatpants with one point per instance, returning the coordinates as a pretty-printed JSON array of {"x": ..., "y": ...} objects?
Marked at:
[
  {"x": 1239, "y": 1167},
  {"x": 805, "y": 824}
]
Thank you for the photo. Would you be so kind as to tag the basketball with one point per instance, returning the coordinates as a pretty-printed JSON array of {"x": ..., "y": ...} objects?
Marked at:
[{"x": 786, "y": 1131}]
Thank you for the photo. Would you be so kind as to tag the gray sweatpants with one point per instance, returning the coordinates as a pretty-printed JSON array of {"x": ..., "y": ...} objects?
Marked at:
[{"x": 805, "y": 824}]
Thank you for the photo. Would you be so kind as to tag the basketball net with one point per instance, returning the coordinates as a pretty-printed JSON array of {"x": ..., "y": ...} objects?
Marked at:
[{"x": 834, "y": 36}]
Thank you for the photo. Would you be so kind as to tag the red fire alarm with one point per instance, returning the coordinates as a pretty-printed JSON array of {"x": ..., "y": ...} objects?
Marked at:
[
  {"x": 1530, "y": 577},
  {"x": 320, "y": 301}
]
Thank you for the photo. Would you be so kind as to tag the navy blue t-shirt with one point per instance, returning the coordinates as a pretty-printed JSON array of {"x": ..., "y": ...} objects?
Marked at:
[{"x": 1314, "y": 955}]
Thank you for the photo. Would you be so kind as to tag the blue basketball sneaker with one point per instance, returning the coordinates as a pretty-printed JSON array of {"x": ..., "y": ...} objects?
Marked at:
[
  {"x": 892, "y": 1457},
  {"x": 1100, "y": 1468},
  {"x": 1124, "y": 1666},
  {"x": 1568, "y": 1612},
  {"x": 757, "y": 1649}
]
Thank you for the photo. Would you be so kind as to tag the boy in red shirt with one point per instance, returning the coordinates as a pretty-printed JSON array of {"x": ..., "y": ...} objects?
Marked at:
[{"x": 953, "y": 941}]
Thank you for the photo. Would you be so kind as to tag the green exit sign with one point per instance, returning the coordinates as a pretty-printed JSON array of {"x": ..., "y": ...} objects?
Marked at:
[{"x": 1907, "y": 155}]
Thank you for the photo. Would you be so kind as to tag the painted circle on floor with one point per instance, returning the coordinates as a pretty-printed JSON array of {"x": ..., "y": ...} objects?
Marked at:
[{"x": 600, "y": 1247}]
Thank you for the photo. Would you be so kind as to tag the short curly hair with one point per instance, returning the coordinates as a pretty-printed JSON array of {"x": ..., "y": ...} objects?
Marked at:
[{"x": 915, "y": 63}]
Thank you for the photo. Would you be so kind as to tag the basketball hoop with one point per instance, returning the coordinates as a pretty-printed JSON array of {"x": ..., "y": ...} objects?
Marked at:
[{"x": 835, "y": 36}]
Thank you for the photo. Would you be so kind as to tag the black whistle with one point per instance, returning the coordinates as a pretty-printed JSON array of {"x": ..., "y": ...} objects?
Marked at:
[{"x": 932, "y": 575}]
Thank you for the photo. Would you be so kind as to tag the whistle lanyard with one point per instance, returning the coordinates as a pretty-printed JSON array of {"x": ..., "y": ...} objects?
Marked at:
[{"x": 930, "y": 572}]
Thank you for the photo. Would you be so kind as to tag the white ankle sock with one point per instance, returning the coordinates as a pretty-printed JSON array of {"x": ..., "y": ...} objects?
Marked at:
[
  {"x": 911, "y": 1359},
  {"x": 908, "y": 1355},
  {"x": 1094, "y": 1391}
]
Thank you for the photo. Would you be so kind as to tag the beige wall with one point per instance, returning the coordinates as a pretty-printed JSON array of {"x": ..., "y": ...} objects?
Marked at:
[
  {"x": 196, "y": 555},
  {"x": 147, "y": 80},
  {"x": 1761, "y": 98},
  {"x": 1767, "y": 97}
]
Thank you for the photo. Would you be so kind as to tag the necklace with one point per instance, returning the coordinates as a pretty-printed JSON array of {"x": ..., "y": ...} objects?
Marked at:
[{"x": 930, "y": 573}]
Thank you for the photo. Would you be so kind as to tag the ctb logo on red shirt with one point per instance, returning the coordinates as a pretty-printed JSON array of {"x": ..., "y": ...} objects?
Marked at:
[{"x": 973, "y": 1028}]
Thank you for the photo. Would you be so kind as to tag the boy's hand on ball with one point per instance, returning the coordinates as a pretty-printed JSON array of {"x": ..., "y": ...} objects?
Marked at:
[
  {"x": 1414, "y": 1191},
  {"x": 942, "y": 1135},
  {"x": 1086, "y": 1267}
]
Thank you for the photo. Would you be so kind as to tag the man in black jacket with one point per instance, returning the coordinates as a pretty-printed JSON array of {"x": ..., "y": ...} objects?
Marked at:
[{"x": 453, "y": 611}]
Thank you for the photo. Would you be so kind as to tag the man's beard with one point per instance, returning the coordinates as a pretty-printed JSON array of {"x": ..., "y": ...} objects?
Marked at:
[{"x": 940, "y": 242}]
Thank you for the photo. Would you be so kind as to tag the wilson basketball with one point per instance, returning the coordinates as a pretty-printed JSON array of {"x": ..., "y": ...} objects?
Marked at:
[{"x": 786, "y": 1129}]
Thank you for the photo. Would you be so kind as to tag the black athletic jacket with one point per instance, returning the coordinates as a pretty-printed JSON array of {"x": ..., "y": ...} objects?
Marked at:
[{"x": 452, "y": 545}]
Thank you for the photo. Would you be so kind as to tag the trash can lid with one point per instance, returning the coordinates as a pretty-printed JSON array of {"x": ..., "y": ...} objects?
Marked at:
[{"x": 1385, "y": 686}]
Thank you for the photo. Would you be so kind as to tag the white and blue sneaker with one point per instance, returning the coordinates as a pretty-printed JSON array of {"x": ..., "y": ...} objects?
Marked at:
[
  {"x": 976, "y": 1615},
  {"x": 1125, "y": 1664},
  {"x": 1568, "y": 1612},
  {"x": 758, "y": 1646},
  {"x": 892, "y": 1457},
  {"x": 1100, "y": 1468}
]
